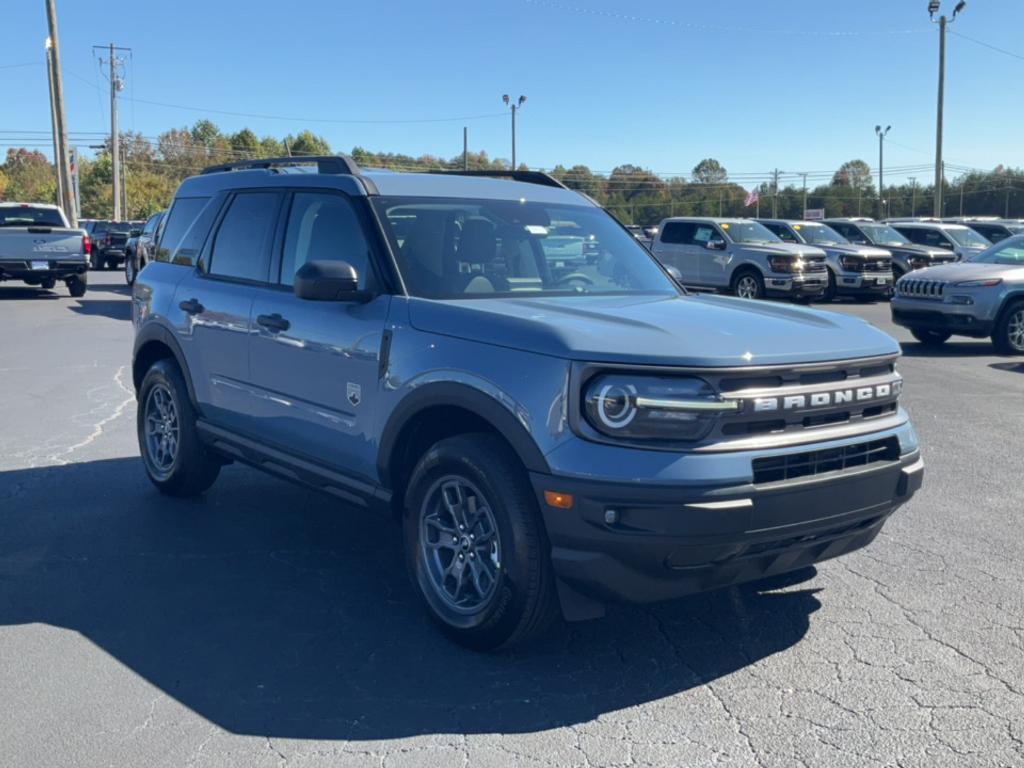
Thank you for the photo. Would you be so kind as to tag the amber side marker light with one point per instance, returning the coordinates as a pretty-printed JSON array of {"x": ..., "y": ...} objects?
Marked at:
[{"x": 558, "y": 500}]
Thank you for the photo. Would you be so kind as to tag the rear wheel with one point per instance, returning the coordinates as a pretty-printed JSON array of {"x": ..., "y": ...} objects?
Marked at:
[
  {"x": 48, "y": 283},
  {"x": 1009, "y": 334},
  {"x": 77, "y": 285},
  {"x": 748, "y": 284},
  {"x": 129, "y": 269},
  {"x": 930, "y": 338},
  {"x": 475, "y": 545},
  {"x": 95, "y": 260},
  {"x": 176, "y": 461},
  {"x": 830, "y": 288}
]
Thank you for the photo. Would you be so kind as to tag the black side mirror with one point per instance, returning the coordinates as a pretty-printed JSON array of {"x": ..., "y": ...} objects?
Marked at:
[
  {"x": 715, "y": 244},
  {"x": 135, "y": 233},
  {"x": 327, "y": 281}
]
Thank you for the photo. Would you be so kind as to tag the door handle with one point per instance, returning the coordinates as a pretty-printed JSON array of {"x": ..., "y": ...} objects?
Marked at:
[
  {"x": 273, "y": 322},
  {"x": 191, "y": 307}
]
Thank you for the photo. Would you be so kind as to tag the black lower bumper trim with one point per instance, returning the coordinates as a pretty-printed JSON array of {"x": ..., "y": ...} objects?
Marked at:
[
  {"x": 662, "y": 543},
  {"x": 932, "y": 320}
]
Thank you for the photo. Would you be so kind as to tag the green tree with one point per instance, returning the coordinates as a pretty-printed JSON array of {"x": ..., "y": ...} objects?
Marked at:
[
  {"x": 709, "y": 171},
  {"x": 308, "y": 143},
  {"x": 29, "y": 177},
  {"x": 245, "y": 143},
  {"x": 853, "y": 173}
]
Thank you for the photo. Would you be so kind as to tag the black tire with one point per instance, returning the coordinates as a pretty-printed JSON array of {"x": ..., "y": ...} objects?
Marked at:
[
  {"x": 95, "y": 260},
  {"x": 77, "y": 285},
  {"x": 930, "y": 338},
  {"x": 48, "y": 284},
  {"x": 1008, "y": 336},
  {"x": 192, "y": 468},
  {"x": 129, "y": 269},
  {"x": 829, "y": 294},
  {"x": 748, "y": 284},
  {"x": 521, "y": 601}
]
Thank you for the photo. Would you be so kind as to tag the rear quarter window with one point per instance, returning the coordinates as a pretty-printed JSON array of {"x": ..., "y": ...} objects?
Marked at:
[{"x": 182, "y": 215}]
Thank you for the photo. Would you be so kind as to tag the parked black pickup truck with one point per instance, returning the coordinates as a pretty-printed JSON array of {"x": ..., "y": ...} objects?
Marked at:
[
  {"x": 110, "y": 239},
  {"x": 39, "y": 248}
]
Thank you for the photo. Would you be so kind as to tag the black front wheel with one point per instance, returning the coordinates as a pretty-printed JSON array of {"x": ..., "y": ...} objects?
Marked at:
[
  {"x": 129, "y": 269},
  {"x": 77, "y": 285},
  {"x": 475, "y": 545},
  {"x": 748, "y": 284}
]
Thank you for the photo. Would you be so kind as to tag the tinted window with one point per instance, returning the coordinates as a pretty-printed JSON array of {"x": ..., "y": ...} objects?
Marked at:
[
  {"x": 30, "y": 215},
  {"x": 151, "y": 224},
  {"x": 240, "y": 245},
  {"x": 783, "y": 232},
  {"x": 1009, "y": 252},
  {"x": 183, "y": 212},
  {"x": 677, "y": 232},
  {"x": 191, "y": 245},
  {"x": 702, "y": 233},
  {"x": 323, "y": 227}
]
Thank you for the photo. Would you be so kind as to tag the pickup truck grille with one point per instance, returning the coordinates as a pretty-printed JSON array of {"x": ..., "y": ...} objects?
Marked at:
[
  {"x": 803, "y": 399},
  {"x": 773, "y": 469},
  {"x": 921, "y": 289},
  {"x": 814, "y": 264}
]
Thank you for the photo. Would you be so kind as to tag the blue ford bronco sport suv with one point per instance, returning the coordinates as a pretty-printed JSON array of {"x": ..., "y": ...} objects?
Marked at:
[{"x": 550, "y": 437}]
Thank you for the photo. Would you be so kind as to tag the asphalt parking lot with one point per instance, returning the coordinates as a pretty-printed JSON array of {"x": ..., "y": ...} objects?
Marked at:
[{"x": 265, "y": 625}]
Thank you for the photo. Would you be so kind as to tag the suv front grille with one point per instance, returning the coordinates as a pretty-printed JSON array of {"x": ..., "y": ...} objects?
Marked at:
[
  {"x": 921, "y": 289},
  {"x": 814, "y": 263},
  {"x": 773, "y": 469}
]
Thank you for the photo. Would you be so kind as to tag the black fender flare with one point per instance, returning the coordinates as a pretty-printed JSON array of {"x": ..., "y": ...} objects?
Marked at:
[
  {"x": 466, "y": 397},
  {"x": 157, "y": 332}
]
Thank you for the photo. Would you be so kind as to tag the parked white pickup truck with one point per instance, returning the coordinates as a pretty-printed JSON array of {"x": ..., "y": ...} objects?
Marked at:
[{"x": 38, "y": 247}]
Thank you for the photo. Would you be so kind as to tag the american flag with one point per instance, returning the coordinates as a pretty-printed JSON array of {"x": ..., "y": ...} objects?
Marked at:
[{"x": 752, "y": 197}]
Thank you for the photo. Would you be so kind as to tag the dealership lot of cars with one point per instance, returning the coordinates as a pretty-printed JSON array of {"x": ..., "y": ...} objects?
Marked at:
[{"x": 263, "y": 622}]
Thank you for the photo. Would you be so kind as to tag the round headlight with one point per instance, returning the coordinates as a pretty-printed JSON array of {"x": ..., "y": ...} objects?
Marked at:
[{"x": 615, "y": 404}]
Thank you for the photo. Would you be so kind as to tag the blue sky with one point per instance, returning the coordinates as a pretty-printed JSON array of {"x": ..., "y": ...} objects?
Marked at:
[{"x": 796, "y": 84}]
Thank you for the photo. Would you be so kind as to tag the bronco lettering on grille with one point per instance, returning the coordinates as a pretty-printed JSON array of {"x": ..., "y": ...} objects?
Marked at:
[{"x": 828, "y": 399}]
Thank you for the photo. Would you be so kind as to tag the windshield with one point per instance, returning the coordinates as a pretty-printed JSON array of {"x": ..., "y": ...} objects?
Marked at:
[
  {"x": 882, "y": 234},
  {"x": 968, "y": 238},
  {"x": 30, "y": 216},
  {"x": 1010, "y": 252},
  {"x": 466, "y": 248},
  {"x": 749, "y": 232},
  {"x": 819, "y": 234}
]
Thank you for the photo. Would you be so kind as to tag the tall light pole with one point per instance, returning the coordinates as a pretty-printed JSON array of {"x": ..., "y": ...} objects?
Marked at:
[
  {"x": 913, "y": 195},
  {"x": 54, "y": 122},
  {"x": 933, "y": 8},
  {"x": 881, "y": 178},
  {"x": 514, "y": 105},
  {"x": 58, "y": 113}
]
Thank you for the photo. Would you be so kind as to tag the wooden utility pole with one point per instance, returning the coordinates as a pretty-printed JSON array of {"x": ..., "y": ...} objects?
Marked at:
[{"x": 58, "y": 116}]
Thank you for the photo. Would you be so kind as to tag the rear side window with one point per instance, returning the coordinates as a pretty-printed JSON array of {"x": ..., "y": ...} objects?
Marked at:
[
  {"x": 241, "y": 246},
  {"x": 323, "y": 227},
  {"x": 179, "y": 219},
  {"x": 677, "y": 233},
  {"x": 784, "y": 233}
]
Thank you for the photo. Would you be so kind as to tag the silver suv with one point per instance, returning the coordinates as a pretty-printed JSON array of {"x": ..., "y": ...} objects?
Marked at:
[
  {"x": 853, "y": 270},
  {"x": 906, "y": 256},
  {"x": 741, "y": 256},
  {"x": 983, "y": 296}
]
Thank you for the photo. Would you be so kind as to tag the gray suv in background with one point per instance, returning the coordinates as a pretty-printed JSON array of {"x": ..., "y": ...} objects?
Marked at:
[
  {"x": 740, "y": 256},
  {"x": 981, "y": 297},
  {"x": 963, "y": 241},
  {"x": 906, "y": 256},
  {"x": 863, "y": 271},
  {"x": 544, "y": 438}
]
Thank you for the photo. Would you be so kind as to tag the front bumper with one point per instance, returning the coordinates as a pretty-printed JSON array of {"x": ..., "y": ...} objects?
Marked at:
[
  {"x": 961, "y": 319},
  {"x": 779, "y": 284},
  {"x": 35, "y": 271},
  {"x": 857, "y": 283},
  {"x": 666, "y": 542}
]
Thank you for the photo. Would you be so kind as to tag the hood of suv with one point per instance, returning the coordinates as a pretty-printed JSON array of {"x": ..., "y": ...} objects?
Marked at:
[
  {"x": 655, "y": 330},
  {"x": 865, "y": 252},
  {"x": 961, "y": 271},
  {"x": 915, "y": 252},
  {"x": 776, "y": 249}
]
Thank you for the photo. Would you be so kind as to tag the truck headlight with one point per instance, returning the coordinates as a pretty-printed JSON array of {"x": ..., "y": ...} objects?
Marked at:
[
  {"x": 785, "y": 264},
  {"x": 653, "y": 407},
  {"x": 851, "y": 264},
  {"x": 979, "y": 283}
]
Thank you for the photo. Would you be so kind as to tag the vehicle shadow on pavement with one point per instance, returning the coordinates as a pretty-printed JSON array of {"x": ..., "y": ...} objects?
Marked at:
[
  {"x": 271, "y": 610},
  {"x": 27, "y": 292},
  {"x": 116, "y": 309},
  {"x": 1011, "y": 367},
  {"x": 949, "y": 349}
]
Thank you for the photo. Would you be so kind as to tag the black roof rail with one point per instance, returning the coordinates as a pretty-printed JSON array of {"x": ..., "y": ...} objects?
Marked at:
[
  {"x": 324, "y": 164},
  {"x": 529, "y": 177}
]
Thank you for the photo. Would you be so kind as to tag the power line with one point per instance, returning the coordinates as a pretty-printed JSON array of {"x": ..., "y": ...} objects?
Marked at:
[{"x": 987, "y": 45}]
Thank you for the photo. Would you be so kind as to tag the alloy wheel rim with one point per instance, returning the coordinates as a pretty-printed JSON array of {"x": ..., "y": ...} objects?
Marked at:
[
  {"x": 460, "y": 545},
  {"x": 746, "y": 288},
  {"x": 162, "y": 430},
  {"x": 1015, "y": 330}
]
